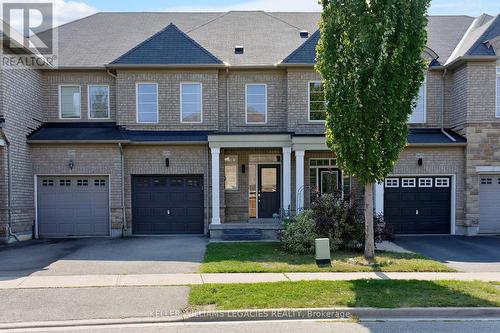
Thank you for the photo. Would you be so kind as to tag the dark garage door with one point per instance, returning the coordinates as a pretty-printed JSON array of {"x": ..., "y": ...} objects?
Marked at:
[
  {"x": 418, "y": 205},
  {"x": 73, "y": 206},
  {"x": 167, "y": 205}
]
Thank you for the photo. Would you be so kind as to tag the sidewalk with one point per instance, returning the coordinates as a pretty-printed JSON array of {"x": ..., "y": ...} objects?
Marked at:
[{"x": 76, "y": 281}]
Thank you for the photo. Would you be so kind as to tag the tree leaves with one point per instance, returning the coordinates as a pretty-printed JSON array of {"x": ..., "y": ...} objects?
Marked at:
[{"x": 370, "y": 56}]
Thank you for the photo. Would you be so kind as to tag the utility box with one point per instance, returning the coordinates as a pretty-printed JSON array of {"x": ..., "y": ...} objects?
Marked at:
[{"x": 323, "y": 251}]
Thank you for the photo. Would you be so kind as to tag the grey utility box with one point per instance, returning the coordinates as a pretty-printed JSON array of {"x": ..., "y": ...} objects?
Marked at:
[{"x": 323, "y": 251}]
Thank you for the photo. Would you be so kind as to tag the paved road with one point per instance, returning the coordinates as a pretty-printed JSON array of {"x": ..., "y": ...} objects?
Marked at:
[
  {"x": 29, "y": 305},
  {"x": 299, "y": 327},
  {"x": 92, "y": 256},
  {"x": 467, "y": 254}
]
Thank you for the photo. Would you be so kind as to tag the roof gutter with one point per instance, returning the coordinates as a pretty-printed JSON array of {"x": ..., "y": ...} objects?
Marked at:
[
  {"x": 471, "y": 58},
  {"x": 452, "y": 144},
  {"x": 159, "y": 66}
]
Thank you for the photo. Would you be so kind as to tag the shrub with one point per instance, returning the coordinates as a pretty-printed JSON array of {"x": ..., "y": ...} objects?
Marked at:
[
  {"x": 298, "y": 234},
  {"x": 382, "y": 230}
]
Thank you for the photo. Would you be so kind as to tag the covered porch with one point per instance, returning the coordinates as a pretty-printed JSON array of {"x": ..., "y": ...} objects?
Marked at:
[{"x": 265, "y": 178}]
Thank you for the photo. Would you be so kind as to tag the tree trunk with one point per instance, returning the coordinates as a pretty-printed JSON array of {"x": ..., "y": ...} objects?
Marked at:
[{"x": 369, "y": 234}]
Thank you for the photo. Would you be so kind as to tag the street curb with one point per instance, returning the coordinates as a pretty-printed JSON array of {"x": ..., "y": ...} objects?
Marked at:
[{"x": 341, "y": 314}]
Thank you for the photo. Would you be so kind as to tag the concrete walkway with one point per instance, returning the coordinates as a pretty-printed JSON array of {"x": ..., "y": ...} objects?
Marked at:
[{"x": 79, "y": 281}]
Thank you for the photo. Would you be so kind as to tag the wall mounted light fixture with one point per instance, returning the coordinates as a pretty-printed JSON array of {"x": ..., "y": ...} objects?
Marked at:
[
  {"x": 71, "y": 164},
  {"x": 167, "y": 162}
]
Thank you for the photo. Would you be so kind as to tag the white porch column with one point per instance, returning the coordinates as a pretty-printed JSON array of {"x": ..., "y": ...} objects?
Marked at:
[
  {"x": 299, "y": 179},
  {"x": 379, "y": 198},
  {"x": 215, "y": 186},
  {"x": 287, "y": 178}
]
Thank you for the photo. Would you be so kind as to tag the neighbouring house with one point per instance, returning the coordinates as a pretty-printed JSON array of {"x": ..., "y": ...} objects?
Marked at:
[{"x": 197, "y": 123}]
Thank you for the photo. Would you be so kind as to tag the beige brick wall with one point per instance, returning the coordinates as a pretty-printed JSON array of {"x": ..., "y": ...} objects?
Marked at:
[
  {"x": 481, "y": 77},
  {"x": 298, "y": 102},
  {"x": 150, "y": 160},
  {"x": 89, "y": 159},
  {"x": 52, "y": 80},
  {"x": 276, "y": 100},
  {"x": 22, "y": 108},
  {"x": 169, "y": 111},
  {"x": 456, "y": 97},
  {"x": 437, "y": 161}
]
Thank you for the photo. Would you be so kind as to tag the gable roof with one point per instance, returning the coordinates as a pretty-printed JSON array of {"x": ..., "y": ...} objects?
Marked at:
[
  {"x": 480, "y": 47},
  {"x": 306, "y": 53},
  {"x": 169, "y": 46},
  {"x": 267, "y": 37}
]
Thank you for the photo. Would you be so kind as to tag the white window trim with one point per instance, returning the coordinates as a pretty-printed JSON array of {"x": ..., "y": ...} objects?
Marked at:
[
  {"x": 88, "y": 101},
  {"x": 409, "y": 180},
  {"x": 497, "y": 88},
  {"x": 60, "y": 104},
  {"x": 246, "y": 103},
  {"x": 425, "y": 104},
  {"x": 237, "y": 174},
  {"x": 446, "y": 180},
  {"x": 309, "y": 103},
  {"x": 390, "y": 185},
  {"x": 422, "y": 184},
  {"x": 137, "y": 104},
  {"x": 201, "y": 102}
]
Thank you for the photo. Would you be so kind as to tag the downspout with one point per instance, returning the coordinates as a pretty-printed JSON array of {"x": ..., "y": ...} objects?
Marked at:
[
  {"x": 443, "y": 107},
  {"x": 9, "y": 190},
  {"x": 122, "y": 175},
  {"x": 227, "y": 99}
]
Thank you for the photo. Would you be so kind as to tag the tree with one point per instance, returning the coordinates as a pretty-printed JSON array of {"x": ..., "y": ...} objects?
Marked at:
[{"x": 370, "y": 57}]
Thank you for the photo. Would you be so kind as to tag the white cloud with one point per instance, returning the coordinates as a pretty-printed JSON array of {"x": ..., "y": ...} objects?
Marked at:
[
  {"x": 64, "y": 11},
  {"x": 266, "y": 5}
]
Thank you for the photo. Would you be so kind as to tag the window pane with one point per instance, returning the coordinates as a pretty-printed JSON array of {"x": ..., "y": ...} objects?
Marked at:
[
  {"x": 257, "y": 89},
  {"x": 147, "y": 107},
  {"x": 498, "y": 93},
  {"x": 231, "y": 172},
  {"x": 256, "y": 103},
  {"x": 98, "y": 99},
  {"x": 191, "y": 102},
  {"x": 317, "y": 104},
  {"x": 70, "y": 102},
  {"x": 418, "y": 115}
]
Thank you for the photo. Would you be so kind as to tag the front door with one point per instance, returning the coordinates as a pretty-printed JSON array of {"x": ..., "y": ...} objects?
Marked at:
[{"x": 268, "y": 195}]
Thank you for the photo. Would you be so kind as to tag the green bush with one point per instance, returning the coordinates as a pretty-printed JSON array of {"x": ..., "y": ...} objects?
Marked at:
[{"x": 298, "y": 234}]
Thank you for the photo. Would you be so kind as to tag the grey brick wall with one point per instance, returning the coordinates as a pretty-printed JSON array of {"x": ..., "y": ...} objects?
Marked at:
[
  {"x": 276, "y": 100},
  {"x": 52, "y": 80},
  {"x": 168, "y": 98},
  {"x": 21, "y": 106}
]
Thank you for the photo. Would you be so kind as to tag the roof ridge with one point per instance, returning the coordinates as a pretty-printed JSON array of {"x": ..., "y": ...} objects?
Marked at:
[
  {"x": 195, "y": 43},
  {"x": 281, "y": 20},
  {"x": 479, "y": 40},
  {"x": 208, "y": 22}
]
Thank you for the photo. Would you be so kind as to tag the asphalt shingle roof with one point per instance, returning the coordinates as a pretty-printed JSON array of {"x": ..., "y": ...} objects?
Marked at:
[
  {"x": 268, "y": 37},
  {"x": 167, "y": 47},
  {"x": 306, "y": 53},
  {"x": 480, "y": 48}
]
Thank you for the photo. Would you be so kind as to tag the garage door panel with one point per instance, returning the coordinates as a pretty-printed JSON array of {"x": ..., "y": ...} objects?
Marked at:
[
  {"x": 174, "y": 208},
  {"x": 420, "y": 209},
  {"x": 489, "y": 204},
  {"x": 67, "y": 209}
]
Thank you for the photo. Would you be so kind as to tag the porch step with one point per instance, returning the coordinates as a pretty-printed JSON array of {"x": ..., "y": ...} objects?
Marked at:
[{"x": 241, "y": 234}]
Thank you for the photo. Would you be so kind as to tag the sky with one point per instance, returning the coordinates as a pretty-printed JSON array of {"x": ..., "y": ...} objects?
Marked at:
[{"x": 68, "y": 10}]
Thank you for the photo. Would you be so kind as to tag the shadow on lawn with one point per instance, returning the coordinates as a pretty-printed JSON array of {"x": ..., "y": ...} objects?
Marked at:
[{"x": 359, "y": 293}]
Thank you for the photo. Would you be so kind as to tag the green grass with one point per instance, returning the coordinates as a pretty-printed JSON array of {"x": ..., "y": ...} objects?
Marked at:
[
  {"x": 360, "y": 293},
  {"x": 269, "y": 257}
]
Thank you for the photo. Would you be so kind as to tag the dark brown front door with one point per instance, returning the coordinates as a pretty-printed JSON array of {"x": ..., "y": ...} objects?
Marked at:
[{"x": 269, "y": 195}]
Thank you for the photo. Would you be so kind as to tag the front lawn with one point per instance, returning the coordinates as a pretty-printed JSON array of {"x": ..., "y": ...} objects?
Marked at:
[
  {"x": 269, "y": 257},
  {"x": 360, "y": 293}
]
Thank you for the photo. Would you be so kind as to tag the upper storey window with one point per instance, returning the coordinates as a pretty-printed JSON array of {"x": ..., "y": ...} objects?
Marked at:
[
  {"x": 191, "y": 103},
  {"x": 69, "y": 102},
  {"x": 256, "y": 103},
  {"x": 498, "y": 93},
  {"x": 147, "y": 102},
  {"x": 418, "y": 115},
  {"x": 317, "y": 102},
  {"x": 98, "y": 101}
]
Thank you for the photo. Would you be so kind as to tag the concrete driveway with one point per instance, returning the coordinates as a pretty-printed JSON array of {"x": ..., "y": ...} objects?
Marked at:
[
  {"x": 467, "y": 254},
  {"x": 93, "y": 256}
]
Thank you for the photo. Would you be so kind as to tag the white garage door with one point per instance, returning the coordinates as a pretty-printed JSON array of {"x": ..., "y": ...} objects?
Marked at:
[
  {"x": 489, "y": 205},
  {"x": 73, "y": 206}
]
